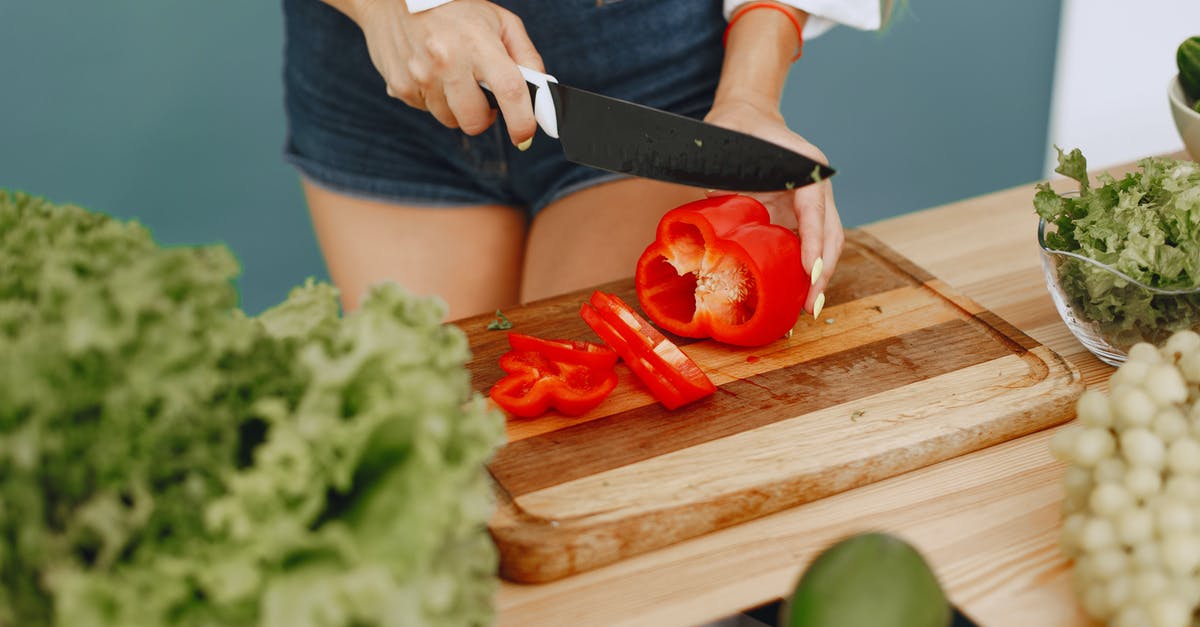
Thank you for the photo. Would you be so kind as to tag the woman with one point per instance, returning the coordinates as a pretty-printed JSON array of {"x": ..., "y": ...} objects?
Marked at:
[{"x": 411, "y": 177}]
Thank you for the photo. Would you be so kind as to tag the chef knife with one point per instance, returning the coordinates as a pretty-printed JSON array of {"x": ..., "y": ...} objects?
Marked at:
[{"x": 620, "y": 136}]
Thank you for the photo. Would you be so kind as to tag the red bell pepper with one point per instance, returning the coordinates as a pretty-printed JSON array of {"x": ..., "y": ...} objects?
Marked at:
[
  {"x": 672, "y": 377},
  {"x": 536, "y": 383},
  {"x": 718, "y": 268}
]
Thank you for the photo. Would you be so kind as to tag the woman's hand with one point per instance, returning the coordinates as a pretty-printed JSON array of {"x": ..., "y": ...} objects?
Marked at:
[
  {"x": 434, "y": 60},
  {"x": 810, "y": 207}
]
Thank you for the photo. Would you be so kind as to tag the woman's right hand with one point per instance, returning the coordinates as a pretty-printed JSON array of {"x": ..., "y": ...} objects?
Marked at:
[{"x": 434, "y": 60}]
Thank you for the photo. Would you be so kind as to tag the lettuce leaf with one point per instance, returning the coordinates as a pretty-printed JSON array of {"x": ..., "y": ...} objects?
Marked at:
[{"x": 168, "y": 460}]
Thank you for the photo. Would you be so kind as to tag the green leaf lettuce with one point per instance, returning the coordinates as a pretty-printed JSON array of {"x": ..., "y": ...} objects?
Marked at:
[
  {"x": 168, "y": 460},
  {"x": 1145, "y": 225}
]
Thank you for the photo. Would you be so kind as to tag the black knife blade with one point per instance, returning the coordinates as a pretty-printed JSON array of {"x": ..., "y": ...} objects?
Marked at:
[{"x": 621, "y": 136}]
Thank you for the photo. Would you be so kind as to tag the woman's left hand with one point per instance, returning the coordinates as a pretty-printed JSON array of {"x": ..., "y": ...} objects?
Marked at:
[{"x": 810, "y": 207}]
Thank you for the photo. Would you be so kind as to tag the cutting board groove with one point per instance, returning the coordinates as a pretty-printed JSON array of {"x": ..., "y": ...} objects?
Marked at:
[{"x": 900, "y": 372}]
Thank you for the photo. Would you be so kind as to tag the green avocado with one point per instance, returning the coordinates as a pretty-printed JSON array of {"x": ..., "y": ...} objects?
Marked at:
[
  {"x": 1188, "y": 59},
  {"x": 868, "y": 580}
]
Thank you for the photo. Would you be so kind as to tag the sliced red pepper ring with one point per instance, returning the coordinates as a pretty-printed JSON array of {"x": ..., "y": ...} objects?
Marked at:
[
  {"x": 535, "y": 384},
  {"x": 659, "y": 387},
  {"x": 672, "y": 362},
  {"x": 718, "y": 268},
  {"x": 671, "y": 375},
  {"x": 566, "y": 351}
]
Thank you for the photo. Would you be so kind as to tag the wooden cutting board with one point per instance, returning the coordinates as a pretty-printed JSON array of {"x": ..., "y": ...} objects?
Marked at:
[{"x": 899, "y": 372}]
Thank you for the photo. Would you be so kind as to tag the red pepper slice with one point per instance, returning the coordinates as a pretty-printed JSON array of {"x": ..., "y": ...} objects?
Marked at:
[
  {"x": 672, "y": 362},
  {"x": 659, "y": 386},
  {"x": 566, "y": 351},
  {"x": 718, "y": 268},
  {"x": 671, "y": 375},
  {"x": 535, "y": 384}
]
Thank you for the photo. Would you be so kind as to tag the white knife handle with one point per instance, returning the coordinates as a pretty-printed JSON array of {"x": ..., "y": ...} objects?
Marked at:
[{"x": 543, "y": 102}]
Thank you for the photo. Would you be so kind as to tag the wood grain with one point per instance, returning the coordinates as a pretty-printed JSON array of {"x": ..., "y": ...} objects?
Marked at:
[
  {"x": 977, "y": 518},
  {"x": 741, "y": 404},
  {"x": 868, "y": 319},
  {"x": 987, "y": 521},
  {"x": 938, "y": 374}
]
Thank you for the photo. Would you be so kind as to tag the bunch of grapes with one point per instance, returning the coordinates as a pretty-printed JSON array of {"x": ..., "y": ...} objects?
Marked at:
[{"x": 1132, "y": 506}]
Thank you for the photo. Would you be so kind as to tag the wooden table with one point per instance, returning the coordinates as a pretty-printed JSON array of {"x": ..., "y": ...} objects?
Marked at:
[{"x": 988, "y": 521}]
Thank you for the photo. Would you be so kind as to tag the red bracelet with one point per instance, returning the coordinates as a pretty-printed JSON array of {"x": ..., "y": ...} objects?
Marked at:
[{"x": 746, "y": 8}]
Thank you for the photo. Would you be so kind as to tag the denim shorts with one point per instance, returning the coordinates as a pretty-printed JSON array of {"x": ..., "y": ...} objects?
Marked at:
[{"x": 346, "y": 134}]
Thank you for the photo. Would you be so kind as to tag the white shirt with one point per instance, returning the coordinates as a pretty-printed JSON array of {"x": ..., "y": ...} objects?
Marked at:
[{"x": 822, "y": 14}]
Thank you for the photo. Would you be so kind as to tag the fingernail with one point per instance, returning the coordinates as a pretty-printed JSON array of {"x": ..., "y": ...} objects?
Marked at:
[
  {"x": 816, "y": 271},
  {"x": 523, "y": 146},
  {"x": 818, "y": 304}
]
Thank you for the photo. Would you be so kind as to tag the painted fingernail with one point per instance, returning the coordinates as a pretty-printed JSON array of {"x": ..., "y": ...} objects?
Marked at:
[
  {"x": 818, "y": 265},
  {"x": 523, "y": 146},
  {"x": 818, "y": 304}
]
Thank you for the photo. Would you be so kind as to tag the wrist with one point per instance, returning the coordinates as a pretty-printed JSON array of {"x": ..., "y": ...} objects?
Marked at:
[
  {"x": 761, "y": 44},
  {"x": 770, "y": 22},
  {"x": 740, "y": 98},
  {"x": 741, "y": 106}
]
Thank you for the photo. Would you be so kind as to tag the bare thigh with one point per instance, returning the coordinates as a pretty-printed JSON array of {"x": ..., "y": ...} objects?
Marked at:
[
  {"x": 469, "y": 256},
  {"x": 595, "y": 235}
]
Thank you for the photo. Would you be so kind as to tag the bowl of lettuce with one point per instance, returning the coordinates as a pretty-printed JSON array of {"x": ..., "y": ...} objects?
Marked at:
[{"x": 1122, "y": 259}]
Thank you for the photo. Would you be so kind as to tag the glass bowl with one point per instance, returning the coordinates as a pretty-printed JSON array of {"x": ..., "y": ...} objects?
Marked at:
[{"x": 1102, "y": 325}]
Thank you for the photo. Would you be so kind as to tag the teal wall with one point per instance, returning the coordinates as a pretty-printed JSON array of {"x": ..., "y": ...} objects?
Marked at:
[
  {"x": 165, "y": 111},
  {"x": 950, "y": 102},
  {"x": 170, "y": 112}
]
